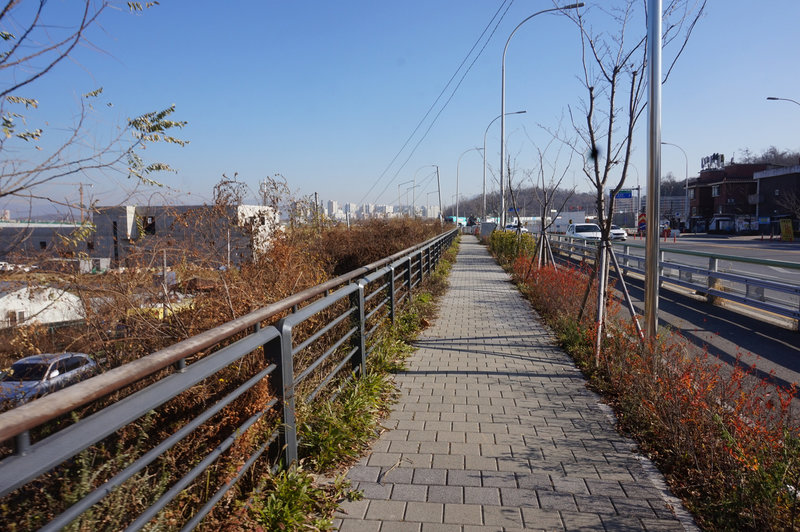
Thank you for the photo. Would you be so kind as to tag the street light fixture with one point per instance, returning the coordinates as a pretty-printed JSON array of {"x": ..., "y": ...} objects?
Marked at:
[
  {"x": 414, "y": 195},
  {"x": 483, "y": 214},
  {"x": 784, "y": 99},
  {"x": 457, "y": 169},
  {"x": 503, "y": 105},
  {"x": 686, "y": 181},
  {"x": 399, "y": 198}
]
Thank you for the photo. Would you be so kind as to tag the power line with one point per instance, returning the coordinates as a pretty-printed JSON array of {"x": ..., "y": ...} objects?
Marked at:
[{"x": 428, "y": 112}]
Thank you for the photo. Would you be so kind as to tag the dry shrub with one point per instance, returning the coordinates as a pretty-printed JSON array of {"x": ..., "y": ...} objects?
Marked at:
[
  {"x": 726, "y": 440},
  {"x": 129, "y": 314}
]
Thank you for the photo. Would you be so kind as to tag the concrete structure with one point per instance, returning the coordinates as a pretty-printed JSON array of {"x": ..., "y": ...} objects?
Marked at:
[
  {"x": 778, "y": 191},
  {"x": 35, "y": 239},
  {"x": 21, "y": 304},
  {"x": 495, "y": 430},
  {"x": 229, "y": 235}
]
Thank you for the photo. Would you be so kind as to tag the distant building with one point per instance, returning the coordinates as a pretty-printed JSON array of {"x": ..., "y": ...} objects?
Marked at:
[
  {"x": 333, "y": 208},
  {"x": 724, "y": 198},
  {"x": 21, "y": 304},
  {"x": 778, "y": 191},
  {"x": 224, "y": 237},
  {"x": 26, "y": 239}
]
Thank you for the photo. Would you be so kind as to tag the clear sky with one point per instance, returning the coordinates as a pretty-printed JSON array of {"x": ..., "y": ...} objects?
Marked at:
[{"x": 326, "y": 93}]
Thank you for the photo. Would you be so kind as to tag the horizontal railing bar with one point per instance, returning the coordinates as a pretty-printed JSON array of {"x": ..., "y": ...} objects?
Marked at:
[
  {"x": 15, "y": 471},
  {"x": 320, "y": 304},
  {"x": 322, "y": 358},
  {"x": 314, "y": 337},
  {"x": 25, "y": 417},
  {"x": 368, "y": 334},
  {"x": 375, "y": 292},
  {"x": 187, "y": 479},
  {"x": 91, "y": 499},
  {"x": 376, "y": 309},
  {"x": 196, "y": 518},
  {"x": 333, "y": 373}
]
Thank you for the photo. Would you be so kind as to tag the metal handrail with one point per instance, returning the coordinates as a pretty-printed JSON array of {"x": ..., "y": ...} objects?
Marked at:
[
  {"x": 571, "y": 246},
  {"x": 33, "y": 414},
  {"x": 274, "y": 343}
]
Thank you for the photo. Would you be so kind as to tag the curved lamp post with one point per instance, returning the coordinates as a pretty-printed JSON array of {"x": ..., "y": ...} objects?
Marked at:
[
  {"x": 483, "y": 214},
  {"x": 686, "y": 181},
  {"x": 399, "y": 198},
  {"x": 503, "y": 105},
  {"x": 457, "y": 168},
  {"x": 414, "y": 195},
  {"x": 784, "y": 99}
]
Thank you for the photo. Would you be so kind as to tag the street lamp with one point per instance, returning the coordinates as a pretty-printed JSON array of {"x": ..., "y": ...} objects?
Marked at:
[
  {"x": 457, "y": 169},
  {"x": 784, "y": 99},
  {"x": 686, "y": 181},
  {"x": 414, "y": 195},
  {"x": 503, "y": 105},
  {"x": 399, "y": 201},
  {"x": 428, "y": 200},
  {"x": 483, "y": 215}
]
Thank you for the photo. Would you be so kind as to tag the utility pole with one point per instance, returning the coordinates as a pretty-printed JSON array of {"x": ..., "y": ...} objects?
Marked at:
[{"x": 439, "y": 186}]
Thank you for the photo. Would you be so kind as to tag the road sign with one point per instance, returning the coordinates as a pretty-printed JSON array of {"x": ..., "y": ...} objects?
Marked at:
[
  {"x": 625, "y": 193},
  {"x": 642, "y": 221}
]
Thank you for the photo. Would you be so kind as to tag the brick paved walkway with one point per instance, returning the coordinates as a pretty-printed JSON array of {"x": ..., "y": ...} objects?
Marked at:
[{"x": 495, "y": 430}]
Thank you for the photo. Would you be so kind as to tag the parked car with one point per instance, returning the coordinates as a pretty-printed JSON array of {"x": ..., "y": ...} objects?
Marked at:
[
  {"x": 514, "y": 227},
  {"x": 37, "y": 375},
  {"x": 584, "y": 231},
  {"x": 618, "y": 233}
]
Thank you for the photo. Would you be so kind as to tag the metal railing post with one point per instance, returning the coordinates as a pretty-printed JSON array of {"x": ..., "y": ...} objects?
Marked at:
[
  {"x": 713, "y": 282},
  {"x": 285, "y": 376},
  {"x": 22, "y": 443},
  {"x": 421, "y": 267},
  {"x": 359, "y": 359},
  {"x": 392, "y": 300},
  {"x": 409, "y": 279}
]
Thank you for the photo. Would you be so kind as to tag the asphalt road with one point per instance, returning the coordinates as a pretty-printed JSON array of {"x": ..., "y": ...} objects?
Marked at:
[
  {"x": 729, "y": 331},
  {"x": 747, "y": 247},
  {"x": 731, "y": 336}
]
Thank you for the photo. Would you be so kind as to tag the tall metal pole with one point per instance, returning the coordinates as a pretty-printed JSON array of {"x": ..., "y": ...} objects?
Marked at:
[
  {"x": 503, "y": 106},
  {"x": 458, "y": 165},
  {"x": 653, "y": 167},
  {"x": 483, "y": 214},
  {"x": 399, "y": 197},
  {"x": 439, "y": 187},
  {"x": 414, "y": 193},
  {"x": 686, "y": 182}
]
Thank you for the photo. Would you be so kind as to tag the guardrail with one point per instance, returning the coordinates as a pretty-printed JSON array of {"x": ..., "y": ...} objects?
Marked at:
[
  {"x": 779, "y": 298},
  {"x": 298, "y": 358}
]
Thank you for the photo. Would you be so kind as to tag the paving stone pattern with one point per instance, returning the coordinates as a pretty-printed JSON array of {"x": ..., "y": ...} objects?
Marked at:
[{"x": 495, "y": 430}]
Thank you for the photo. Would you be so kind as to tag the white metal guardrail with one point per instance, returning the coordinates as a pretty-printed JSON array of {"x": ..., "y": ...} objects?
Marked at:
[{"x": 778, "y": 297}]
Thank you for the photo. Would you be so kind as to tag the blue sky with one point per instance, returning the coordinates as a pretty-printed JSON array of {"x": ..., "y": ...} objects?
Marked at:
[{"x": 326, "y": 93}]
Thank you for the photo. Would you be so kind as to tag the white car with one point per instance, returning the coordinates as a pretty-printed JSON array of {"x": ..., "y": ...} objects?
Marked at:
[
  {"x": 584, "y": 231},
  {"x": 514, "y": 227},
  {"x": 617, "y": 233}
]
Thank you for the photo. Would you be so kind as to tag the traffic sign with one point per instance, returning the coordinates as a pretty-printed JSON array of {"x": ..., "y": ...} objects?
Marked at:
[
  {"x": 625, "y": 193},
  {"x": 642, "y": 221}
]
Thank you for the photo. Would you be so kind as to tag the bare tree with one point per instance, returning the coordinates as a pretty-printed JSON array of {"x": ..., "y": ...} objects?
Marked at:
[
  {"x": 613, "y": 75},
  {"x": 550, "y": 176},
  {"x": 35, "y": 43}
]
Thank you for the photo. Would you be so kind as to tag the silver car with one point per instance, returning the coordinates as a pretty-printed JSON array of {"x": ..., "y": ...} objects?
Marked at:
[{"x": 37, "y": 375}]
